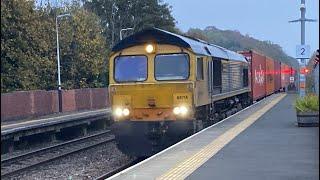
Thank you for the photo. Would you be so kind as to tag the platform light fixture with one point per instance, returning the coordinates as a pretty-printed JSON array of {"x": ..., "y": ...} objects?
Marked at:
[
  {"x": 123, "y": 30},
  {"x": 58, "y": 59}
]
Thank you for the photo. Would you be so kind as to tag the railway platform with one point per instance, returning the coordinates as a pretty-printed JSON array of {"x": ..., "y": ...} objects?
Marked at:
[
  {"x": 262, "y": 141},
  {"x": 12, "y": 131},
  {"x": 14, "y": 126}
]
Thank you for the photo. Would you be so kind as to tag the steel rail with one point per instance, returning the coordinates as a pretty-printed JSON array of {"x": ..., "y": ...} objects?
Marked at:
[{"x": 9, "y": 161}]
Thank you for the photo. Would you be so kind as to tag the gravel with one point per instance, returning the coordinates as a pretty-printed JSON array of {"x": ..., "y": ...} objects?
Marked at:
[
  {"x": 40, "y": 145},
  {"x": 88, "y": 164},
  {"x": 29, "y": 148}
]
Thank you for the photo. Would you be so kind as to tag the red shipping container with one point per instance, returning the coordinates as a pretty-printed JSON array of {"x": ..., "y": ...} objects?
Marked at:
[
  {"x": 277, "y": 75},
  {"x": 269, "y": 76},
  {"x": 285, "y": 75},
  {"x": 258, "y": 67},
  {"x": 292, "y": 71}
]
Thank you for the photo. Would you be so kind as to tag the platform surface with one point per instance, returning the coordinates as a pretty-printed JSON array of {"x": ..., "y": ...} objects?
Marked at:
[
  {"x": 10, "y": 127},
  {"x": 272, "y": 148},
  {"x": 260, "y": 142}
]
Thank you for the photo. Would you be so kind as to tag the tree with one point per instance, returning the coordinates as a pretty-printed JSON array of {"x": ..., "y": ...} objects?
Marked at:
[
  {"x": 23, "y": 46},
  {"x": 235, "y": 41},
  {"x": 28, "y": 47},
  {"x": 85, "y": 50},
  {"x": 138, "y": 14},
  {"x": 197, "y": 33}
]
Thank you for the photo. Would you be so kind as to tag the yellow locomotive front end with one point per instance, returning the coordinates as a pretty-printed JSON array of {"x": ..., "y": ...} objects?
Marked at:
[
  {"x": 151, "y": 85},
  {"x": 151, "y": 96}
]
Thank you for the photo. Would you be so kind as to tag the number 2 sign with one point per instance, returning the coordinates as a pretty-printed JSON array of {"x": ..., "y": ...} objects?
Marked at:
[{"x": 302, "y": 51}]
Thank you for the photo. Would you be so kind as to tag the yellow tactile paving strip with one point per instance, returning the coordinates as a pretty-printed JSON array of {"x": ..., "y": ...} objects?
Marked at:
[{"x": 185, "y": 168}]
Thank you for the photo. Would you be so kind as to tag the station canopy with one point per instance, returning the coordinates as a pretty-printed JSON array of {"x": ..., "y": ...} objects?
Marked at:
[{"x": 159, "y": 36}]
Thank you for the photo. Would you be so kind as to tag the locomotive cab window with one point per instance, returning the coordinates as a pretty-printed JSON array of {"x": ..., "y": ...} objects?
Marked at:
[
  {"x": 130, "y": 68},
  {"x": 200, "y": 68},
  {"x": 171, "y": 67}
]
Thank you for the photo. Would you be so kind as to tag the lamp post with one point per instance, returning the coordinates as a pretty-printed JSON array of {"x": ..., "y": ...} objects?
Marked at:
[
  {"x": 302, "y": 48},
  {"x": 126, "y": 29},
  {"x": 58, "y": 61}
]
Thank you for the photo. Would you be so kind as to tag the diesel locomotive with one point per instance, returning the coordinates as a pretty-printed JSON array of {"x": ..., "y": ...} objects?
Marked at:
[{"x": 165, "y": 86}]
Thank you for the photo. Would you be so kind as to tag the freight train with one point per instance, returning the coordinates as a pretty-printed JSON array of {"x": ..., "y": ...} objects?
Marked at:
[{"x": 165, "y": 86}]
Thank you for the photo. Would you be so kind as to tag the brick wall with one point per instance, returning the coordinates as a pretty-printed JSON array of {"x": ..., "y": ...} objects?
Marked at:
[
  {"x": 18, "y": 104},
  {"x": 42, "y": 102},
  {"x": 68, "y": 101},
  {"x": 99, "y": 98},
  {"x": 29, "y": 104}
]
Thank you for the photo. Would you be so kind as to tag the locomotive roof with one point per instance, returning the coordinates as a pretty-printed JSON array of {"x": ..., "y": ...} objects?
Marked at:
[{"x": 160, "y": 36}]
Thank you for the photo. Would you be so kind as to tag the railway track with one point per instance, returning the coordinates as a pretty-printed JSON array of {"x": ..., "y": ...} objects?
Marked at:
[{"x": 17, "y": 164}]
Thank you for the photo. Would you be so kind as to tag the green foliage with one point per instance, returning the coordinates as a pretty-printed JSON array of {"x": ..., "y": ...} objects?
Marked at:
[
  {"x": 17, "y": 19},
  {"x": 310, "y": 83},
  {"x": 84, "y": 50},
  {"x": 28, "y": 39},
  {"x": 138, "y": 14},
  {"x": 28, "y": 47},
  {"x": 309, "y": 103},
  {"x": 235, "y": 41}
]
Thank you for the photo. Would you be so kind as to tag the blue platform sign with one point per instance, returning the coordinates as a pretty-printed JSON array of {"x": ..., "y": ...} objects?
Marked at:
[{"x": 302, "y": 51}]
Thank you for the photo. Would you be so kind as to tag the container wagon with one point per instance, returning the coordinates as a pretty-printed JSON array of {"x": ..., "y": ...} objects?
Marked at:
[
  {"x": 269, "y": 76},
  {"x": 277, "y": 75},
  {"x": 257, "y": 63},
  {"x": 285, "y": 76}
]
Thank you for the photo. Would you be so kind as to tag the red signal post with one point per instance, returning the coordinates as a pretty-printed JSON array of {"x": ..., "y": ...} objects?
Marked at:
[{"x": 304, "y": 70}]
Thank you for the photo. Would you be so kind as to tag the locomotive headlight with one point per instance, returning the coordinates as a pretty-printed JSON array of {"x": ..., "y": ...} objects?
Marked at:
[
  {"x": 118, "y": 112},
  {"x": 150, "y": 48},
  {"x": 181, "y": 110},
  {"x": 125, "y": 112},
  {"x": 176, "y": 110}
]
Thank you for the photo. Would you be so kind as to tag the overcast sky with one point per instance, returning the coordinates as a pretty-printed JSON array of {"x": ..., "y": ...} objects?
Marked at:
[{"x": 261, "y": 19}]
